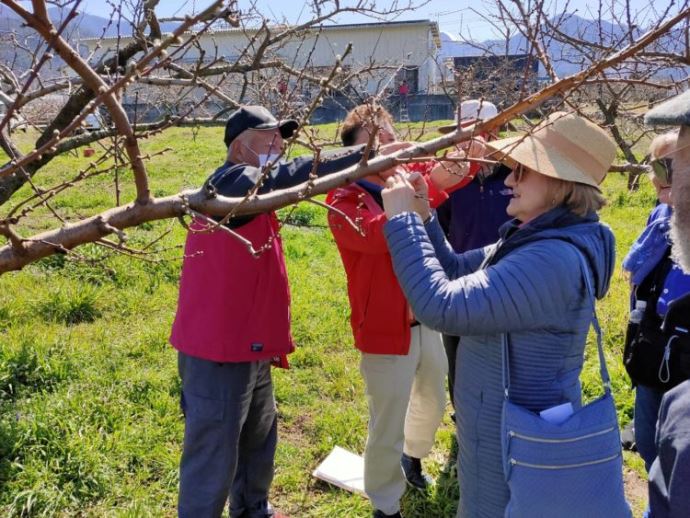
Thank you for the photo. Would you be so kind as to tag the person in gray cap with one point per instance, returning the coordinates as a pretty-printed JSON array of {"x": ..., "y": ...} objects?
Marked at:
[
  {"x": 233, "y": 323},
  {"x": 669, "y": 476}
]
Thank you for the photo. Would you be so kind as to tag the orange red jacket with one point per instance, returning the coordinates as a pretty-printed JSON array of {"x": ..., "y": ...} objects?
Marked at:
[{"x": 380, "y": 315}]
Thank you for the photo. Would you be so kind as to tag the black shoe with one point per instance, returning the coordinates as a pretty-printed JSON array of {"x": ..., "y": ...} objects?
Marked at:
[
  {"x": 628, "y": 437},
  {"x": 412, "y": 468},
  {"x": 265, "y": 507},
  {"x": 380, "y": 514}
]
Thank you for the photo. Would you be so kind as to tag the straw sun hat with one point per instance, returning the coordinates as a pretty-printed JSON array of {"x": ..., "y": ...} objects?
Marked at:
[{"x": 564, "y": 145}]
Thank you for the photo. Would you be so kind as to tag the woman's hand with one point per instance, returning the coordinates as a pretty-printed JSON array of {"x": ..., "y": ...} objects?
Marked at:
[
  {"x": 398, "y": 196},
  {"x": 406, "y": 194},
  {"x": 421, "y": 195}
]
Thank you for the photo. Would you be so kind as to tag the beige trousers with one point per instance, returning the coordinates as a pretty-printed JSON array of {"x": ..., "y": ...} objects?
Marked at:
[{"x": 407, "y": 399}]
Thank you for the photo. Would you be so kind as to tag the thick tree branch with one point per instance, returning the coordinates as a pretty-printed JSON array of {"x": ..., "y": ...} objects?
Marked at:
[{"x": 21, "y": 251}]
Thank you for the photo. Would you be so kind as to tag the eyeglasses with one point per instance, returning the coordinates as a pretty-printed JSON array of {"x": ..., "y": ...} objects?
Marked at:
[
  {"x": 663, "y": 170},
  {"x": 519, "y": 173}
]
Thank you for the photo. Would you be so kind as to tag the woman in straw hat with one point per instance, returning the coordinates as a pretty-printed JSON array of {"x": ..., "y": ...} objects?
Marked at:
[{"x": 528, "y": 284}]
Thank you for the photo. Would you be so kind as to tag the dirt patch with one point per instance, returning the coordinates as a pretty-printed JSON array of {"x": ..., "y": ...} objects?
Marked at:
[
  {"x": 635, "y": 491},
  {"x": 296, "y": 432}
]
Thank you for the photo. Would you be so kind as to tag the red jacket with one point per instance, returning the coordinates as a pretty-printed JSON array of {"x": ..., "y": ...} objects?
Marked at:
[
  {"x": 233, "y": 307},
  {"x": 380, "y": 315}
]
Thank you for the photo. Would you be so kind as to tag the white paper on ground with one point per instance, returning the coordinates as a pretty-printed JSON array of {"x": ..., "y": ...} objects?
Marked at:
[{"x": 343, "y": 469}]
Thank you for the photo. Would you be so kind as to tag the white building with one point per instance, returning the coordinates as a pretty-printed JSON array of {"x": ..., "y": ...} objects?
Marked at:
[{"x": 407, "y": 48}]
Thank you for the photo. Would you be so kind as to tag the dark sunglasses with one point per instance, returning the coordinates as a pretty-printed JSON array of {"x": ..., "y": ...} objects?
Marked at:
[
  {"x": 663, "y": 170},
  {"x": 519, "y": 173}
]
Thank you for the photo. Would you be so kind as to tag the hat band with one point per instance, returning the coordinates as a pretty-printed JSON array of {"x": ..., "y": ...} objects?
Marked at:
[{"x": 576, "y": 154}]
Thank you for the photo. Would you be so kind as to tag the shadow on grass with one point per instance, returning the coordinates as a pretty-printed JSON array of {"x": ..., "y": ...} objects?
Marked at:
[{"x": 8, "y": 440}]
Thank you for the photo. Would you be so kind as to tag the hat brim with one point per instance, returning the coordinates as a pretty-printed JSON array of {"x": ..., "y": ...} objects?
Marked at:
[
  {"x": 287, "y": 127},
  {"x": 534, "y": 154},
  {"x": 672, "y": 112}
]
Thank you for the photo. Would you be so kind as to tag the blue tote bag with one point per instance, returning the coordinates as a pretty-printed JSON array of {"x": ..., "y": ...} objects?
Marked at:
[{"x": 573, "y": 469}]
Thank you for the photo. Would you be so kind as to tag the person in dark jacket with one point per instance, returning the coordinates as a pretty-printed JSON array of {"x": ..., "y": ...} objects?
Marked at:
[
  {"x": 472, "y": 215},
  {"x": 233, "y": 322},
  {"x": 648, "y": 263},
  {"x": 529, "y": 284},
  {"x": 669, "y": 476}
]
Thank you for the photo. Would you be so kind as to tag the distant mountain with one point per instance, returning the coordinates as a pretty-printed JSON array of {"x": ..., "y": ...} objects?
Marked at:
[
  {"x": 91, "y": 26},
  {"x": 85, "y": 25},
  {"x": 565, "y": 59}
]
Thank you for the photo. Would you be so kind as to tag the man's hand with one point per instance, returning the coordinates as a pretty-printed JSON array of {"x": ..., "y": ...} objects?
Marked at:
[
  {"x": 448, "y": 173},
  {"x": 389, "y": 149},
  {"x": 475, "y": 145},
  {"x": 395, "y": 170},
  {"x": 477, "y": 148}
]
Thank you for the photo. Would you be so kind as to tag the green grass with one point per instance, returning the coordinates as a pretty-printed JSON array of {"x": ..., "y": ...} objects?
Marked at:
[{"x": 89, "y": 415}]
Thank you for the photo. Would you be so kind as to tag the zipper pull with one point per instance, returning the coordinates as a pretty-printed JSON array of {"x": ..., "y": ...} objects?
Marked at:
[{"x": 664, "y": 369}]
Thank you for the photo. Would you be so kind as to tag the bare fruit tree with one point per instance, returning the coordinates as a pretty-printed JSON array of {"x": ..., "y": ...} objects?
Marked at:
[
  {"x": 181, "y": 75},
  {"x": 556, "y": 40}
]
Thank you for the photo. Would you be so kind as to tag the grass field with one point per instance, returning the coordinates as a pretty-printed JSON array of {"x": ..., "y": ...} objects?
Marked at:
[{"x": 89, "y": 416}]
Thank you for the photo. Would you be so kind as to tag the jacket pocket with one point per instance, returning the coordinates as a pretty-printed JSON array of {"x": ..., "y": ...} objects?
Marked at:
[
  {"x": 365, "y": 298},
  {"x": 531, "y": 438},
  {"x": 198, "y": 408},
  {"x": 515, "y": 462}
]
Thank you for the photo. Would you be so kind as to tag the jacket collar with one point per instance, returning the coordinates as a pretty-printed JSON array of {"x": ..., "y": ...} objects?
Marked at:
[{"x": 513, "y": 234}]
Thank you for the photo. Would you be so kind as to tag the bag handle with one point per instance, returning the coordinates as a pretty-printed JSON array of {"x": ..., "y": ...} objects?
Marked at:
[{"x": 603, "y": 371}]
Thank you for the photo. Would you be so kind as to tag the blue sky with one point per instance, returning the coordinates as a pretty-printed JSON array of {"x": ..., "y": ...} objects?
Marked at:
[{"x": 453, "y": 16}]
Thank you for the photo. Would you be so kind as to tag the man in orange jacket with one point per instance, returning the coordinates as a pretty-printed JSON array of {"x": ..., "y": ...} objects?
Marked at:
[{"x": 403, "y": 363}]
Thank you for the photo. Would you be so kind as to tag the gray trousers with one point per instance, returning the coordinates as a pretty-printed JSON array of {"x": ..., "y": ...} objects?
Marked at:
[{"x": 229, "y": 438}]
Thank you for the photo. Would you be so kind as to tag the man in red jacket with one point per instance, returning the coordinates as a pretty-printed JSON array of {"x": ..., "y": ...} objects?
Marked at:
[
  {"x": 403, "y": 363},
  {"x": 232, "y": 322}
]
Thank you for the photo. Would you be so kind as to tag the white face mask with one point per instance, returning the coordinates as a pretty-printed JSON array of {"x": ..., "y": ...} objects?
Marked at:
[{"x": 264, "y": 159}]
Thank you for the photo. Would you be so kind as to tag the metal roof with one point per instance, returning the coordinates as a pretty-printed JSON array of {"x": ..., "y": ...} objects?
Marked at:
[{"x": 433, "y": 27}]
